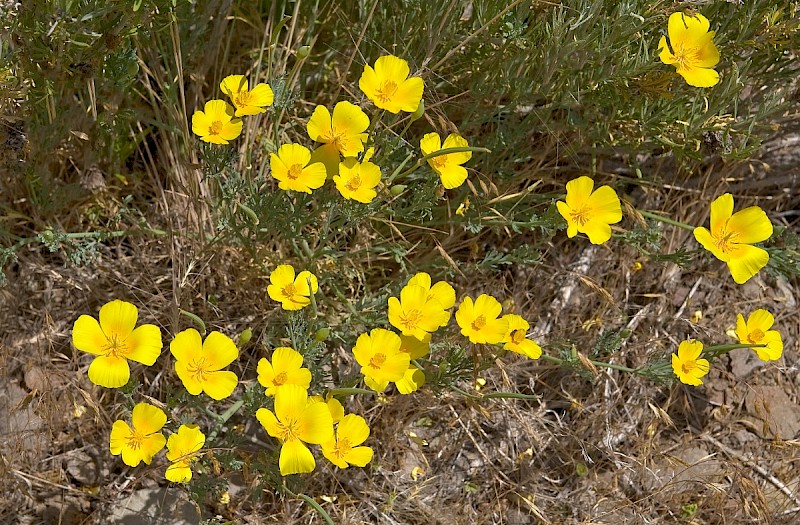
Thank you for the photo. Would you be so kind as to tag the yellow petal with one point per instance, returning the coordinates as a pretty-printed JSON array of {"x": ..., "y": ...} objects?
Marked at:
[
  {"x": 369, "y": 83},
  {"x": 457, "y": 141},
  {"x": 411, "y": 381},
  {"x": 200, "y": 123},
  {"x": 429, "y": 143},
  {"x": 282, "y": 275},
  {"x": 699, "y": 76},
  {"x": 117, "y": 318},
  {"x": 350, "y": 120},
  {"x": 686, "y": 30},
  {"x": 285, "y": 359},
  {"x": 292, "y": 154},
  {"x": 179, "y": 472},
  {"x": 359, "y": 456},
  {"x": 147, "y": 418},
  {"x": 188, "y": 440},
  {"x": 269, "y": 422},
  {"x": 295, "y": 458},
  {"x": 453, "y": 176},
  {"x": 760, "y": 320},
  {"x": 277, "y": 167},
  {"x": 219, "y": 351},
  {"x": 598, "y": 232},
  {"x": 353, "y": 428},
  {"x": 745, "y": 261},
  {"x": 392, "y": 68},
  {"x": 315, "y": 424},
  {"x": 689, "y": 350},
  {"x": 187, "y": 345},
  {"x": 151, "y": 445},
  {"x": 444, "y": 293},
  {"x": 319, "y": 125},
  {"x": 742, "y": 333},
  {"x": 377, "y": 386},
  {"x": 751, "y": 225},
  {"x": 290, "y": 401},
  {"x": 488, "y": 306},
  {"x": 87, "y": 335},
  {"x": 231, "y": 130},
  {"x": 666, "y": 56},
  {"x": 189, "y": 380},
  {"x": 328, "y": 155},
  {"x": 721, "y": 211},
  {"x": 774, "y": 348},
  {"x": 219, "y": 385},
  {"x": 408, "y": 95},
  {"x": 145, "y": 344},
  {"x": 219, "y": 110},
  {"x": 109, "y": 371},
  {"x": 120, "y": 432},
  {"x": 605, "y": 205},
  {"x": 302, "y": 282},
  {"x": 578, "y": 192},
  {"x": 262, "y": 95},
  {"x": 233, "y": 84}
]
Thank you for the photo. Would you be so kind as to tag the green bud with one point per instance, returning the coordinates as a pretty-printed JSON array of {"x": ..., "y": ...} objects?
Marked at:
[
  {"x": 322, "y": 334},
  {"x": 303, "y": 52},
  {"x": 419, "y": 111},
  {"x": 397, "y": 189},
  {"x": 245, "y": 337}
]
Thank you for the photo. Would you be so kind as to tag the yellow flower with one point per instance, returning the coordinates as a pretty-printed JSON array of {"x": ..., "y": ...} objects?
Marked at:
[
  {"x": 415, "y": 348},
  {"x": 412, "y": 380},
  {"x": 293, "y": 293},
  {"x": 441, "y": 291},
  {"x": 380, "y": 356},
  {"x": 114, "y": 340},
  {"x": 343, "y": 131},
  {"x": 334, "y": 406},
  {"x": 449, "y": 166},
  {"x": 217, "y": 124},
  {"x": 247, "y": 101},
  {"x": 479, "y": 320},
  {"x": 687, "y": 364},
  {"x": 416, "y": 315},
  {"x": 691, "y": 49},
  {"x": 295, "y": 422},
  {"x": 357, "y": 180},
  {"x": 144, "y": 440},
  {"x": 590, "y": 212},
  {"x": 389, "y": 87},
  {"x": 291, "y": 168},
  {"x": 285, "y": 369},
  {"x": 182, "y": 450},
  {"x": 756, "y": 331},
  {"x": 731, "y": 237},
  {"x": 515, "y": 339},
  {"x": 199, "y": 364},
  {"x": 343, "y": 450}
]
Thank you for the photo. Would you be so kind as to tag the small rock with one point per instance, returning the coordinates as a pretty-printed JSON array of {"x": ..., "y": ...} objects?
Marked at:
[
  {"x": 771, "y": 405},
  {"x": 158, "y": 506},
  {"x": 35, "y": 379},
  {"x": 743, "y": 362}
]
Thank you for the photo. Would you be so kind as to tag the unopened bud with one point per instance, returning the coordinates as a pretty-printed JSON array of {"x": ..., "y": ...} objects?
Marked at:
[
  {"x": 245, "y": 337},
  {"x": 419, "y": 111},
  {"x": 397, "y": 189},
  {"x": 322, "y": 334},
  {"x": 303, "y": 52}
]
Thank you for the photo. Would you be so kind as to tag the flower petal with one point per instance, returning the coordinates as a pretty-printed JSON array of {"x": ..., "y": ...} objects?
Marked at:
[
  {"x": 429, "y": 143},
  {"x": 319, "y": 125},
  {"x": 578, "y": 192},
  {"x": 87, "y": 335},
  {"x": 296, "y": 458},
  {"x": 117, "y": 318},
  {"x": 262, "y": 95},
  {"x": 751, "y": 225},
  {"x": 605, "y": 205},
  {"x": 699, "y": 76},
  {"x": 353, "y": 428},
  {"x": 219, "y": 351},
  {"x": 145, "y": 344},
  {"x": 282, "y": 275},
  {"x": 453, "y": 176},
  {"x": 359, "y": 456},
  {"x": 315, "y": 424},
  {"x": 408, "y": 95},
  {"x": 219, "y": 385},
  {"x": 189, "y": 380},
  {"x": 598, "y": 232},
  {"x": 120, "y": 432},
  {"x": 705, "y": 238},
  {"x": 290, "y": 401},
  {"x": 233, "y": 84},
  {"x": 150, "y": 446},
  {"x": 746, "y": 261},
  {"x": 147, "y": 419},
  {"x": 109, "y": 371},
  {"x": 269, "y": 422},
  {"x": 187, "y": 345}
]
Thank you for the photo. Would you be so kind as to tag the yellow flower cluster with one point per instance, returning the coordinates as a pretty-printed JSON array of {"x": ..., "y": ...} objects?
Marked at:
[{"x": 218, "y": 123}]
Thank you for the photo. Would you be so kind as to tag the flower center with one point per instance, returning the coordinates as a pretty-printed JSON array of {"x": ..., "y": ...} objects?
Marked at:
[
  {"x": 686, "y": 56},
  {"x": 479, "y": 323},
  {"x": 580, "y": 216},
  {"x": 288, "y": 430},
  {"x": 756, "y": 336},
  {"x": 724, "y": 241},
  {"x": 242, "y": 99},
  {"x": 440, "y": 161},
  {"x": 354, "y": 183},
  {"x": 342, "y": 447},
  {"x": 688, "y": 366},
  {"x": 411, "y": 319},
  {"x": 338, "y": 139},
  {"x": 517, "y": 336},
  {"x": 289, "y": 290},
  {"x": 295, "y": 170},
  {"x": 198, "y": 369},
  {"x": 377, "y": 361},
  {"x": 279, "y": 379},
  {"x": 135, "y": 440},
  {"x": 115, "y": 347},
  {"x": 215, "y": 128},
  {"x": 386, "y": 91}
]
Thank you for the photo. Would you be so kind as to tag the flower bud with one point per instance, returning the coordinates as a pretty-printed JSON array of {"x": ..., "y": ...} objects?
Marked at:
[
  {"x": 419, "y": 111},
  {"x": 245, "y": 337},
  {"x": 303, "y": 52},
  {"x": 397, "y": 189},
  {"x": 322, "y": 334}
]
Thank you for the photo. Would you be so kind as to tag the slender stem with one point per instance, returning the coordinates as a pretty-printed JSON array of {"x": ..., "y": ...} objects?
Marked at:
[
  {"x": 665, "y": 220},
  {"x": 316, "y": 506},
  {"x": 225, "y": 417}
]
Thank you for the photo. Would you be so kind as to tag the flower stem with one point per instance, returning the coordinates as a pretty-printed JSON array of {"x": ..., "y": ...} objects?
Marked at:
[
  {"x": 225, "y": 417},
  {"x": 665, "y": 220}
]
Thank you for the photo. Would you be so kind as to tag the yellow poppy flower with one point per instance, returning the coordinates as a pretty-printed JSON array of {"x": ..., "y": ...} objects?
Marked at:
[
  {"x": 449, "y": 166},
  {"x": 285, "y": 369},
  {"x": 414, "y": 314},
  {"x": 441, "y": 291},
  {"x": 756, "y": 331},
  {"x": 334, "y": 406},
  {"x": 691, "y": 49},
  {"x": 216, "y": 124},
  {"x": 199, "y": 363},
  {"x": 182, "y": 450},
  {"x": 114, "y": 340},
  {"x": 412, "y": 380},
  {"x": 515, "y": 339},
  {"x": 141, "y": 441},
  {"x": 590, "y": 212},
  {"x": 388, "y": 85},
  {"x": 731, "y": 237},
  {"x": 415, "y": 348},
  {"x": 293, "y": 170},
  {"x": 343, "y": 450},
  {"x": 687, "y": 364},
  {"x": 293, "y": 293},
  {"x": 479, "y": 320},
  {"x": 380, "y": 357},
  {"x": 247, "y": 101},
  {"x": 357, "y": 180},
  {"x": 295, "y": 422},
  {"x": 344, "y": 130}
]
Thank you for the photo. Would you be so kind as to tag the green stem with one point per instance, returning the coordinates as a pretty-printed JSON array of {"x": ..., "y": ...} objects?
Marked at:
[
  {"x": 313, "y": 504},
  {"x": 224, "y": 418},
  {"x": 718, "y": 350},
  {"x": 665, "y": 220}
]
